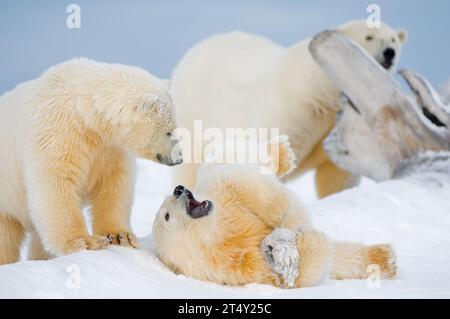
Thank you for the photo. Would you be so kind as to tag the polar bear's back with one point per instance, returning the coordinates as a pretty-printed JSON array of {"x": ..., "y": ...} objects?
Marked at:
[
  {"x": 16, "y": 97},
  {"x": 221, "y": 66},
  {"x": 235, "y": 54},
  {"x": 13, "y": 108}
]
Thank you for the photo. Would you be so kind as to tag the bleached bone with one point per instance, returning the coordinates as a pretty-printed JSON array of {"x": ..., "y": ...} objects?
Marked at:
[
  {"x": 381, "y": 129},
  {"x": 432, "y": 104}
]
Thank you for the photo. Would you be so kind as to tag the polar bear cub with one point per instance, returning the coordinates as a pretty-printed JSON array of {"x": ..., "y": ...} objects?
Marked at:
[
  {"x": 240, "y": 80},
  {"x": 70, "y": 137},
  {"x": 216, "y": 234}
]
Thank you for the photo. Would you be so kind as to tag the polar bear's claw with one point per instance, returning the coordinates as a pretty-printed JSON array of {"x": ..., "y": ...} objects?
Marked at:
[
  {"x": 285, "y": 161},
  {"x": 124, "y": 239},
  {"x": 94, "y": 242}
]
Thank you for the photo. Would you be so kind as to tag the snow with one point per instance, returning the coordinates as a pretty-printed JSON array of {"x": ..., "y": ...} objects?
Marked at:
[{"x": 413, "y": 214}]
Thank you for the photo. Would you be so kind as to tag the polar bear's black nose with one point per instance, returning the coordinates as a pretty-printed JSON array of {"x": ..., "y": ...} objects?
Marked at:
[
  {"x": 188, "y": 193},
  {"x": 178, "y": 191},
  {"x": 389, "y": 54}
]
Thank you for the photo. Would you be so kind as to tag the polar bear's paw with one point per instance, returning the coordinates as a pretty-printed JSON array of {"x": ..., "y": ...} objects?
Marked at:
[
  {"x": 124, "y": 239},
  {"x": 282, "y": 255},
  {"x": 283, "y": 156},
  {"x": 385, "y": 258},
  {"x": 94, "y": 242}
]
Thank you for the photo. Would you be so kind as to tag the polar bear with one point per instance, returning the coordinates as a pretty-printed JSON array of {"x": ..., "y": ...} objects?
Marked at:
[
  {"x": 239, "y": 80},
  {"x": 69, "y": 137},
  {"x": 216, "y": 234}
]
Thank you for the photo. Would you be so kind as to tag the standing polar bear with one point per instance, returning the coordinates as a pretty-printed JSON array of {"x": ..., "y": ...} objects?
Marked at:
[
  {"x": 70, "y": 137},
  {"x": 238, "y": 80},
  {"x": 225, "y": 232}
]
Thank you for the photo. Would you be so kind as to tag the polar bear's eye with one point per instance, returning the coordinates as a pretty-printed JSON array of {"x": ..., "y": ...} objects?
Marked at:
[
  {"x": 369, "y": 38},
  {"x": 169, "y": 134},
  {"x": 167, "y": 217}
]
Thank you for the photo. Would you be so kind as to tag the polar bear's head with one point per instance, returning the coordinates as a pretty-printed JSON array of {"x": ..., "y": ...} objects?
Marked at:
[
  {"x": 182, "y": 226},
  {"x": 149, "y": 133},
  {"x": 384, "y": 43},
  {"x": 129, "y": 108},
  {"x": 218, "y": 240}
]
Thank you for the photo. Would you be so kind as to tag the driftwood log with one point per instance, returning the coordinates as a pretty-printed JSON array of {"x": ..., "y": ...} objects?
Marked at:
[{"x": 382, "y": 132}]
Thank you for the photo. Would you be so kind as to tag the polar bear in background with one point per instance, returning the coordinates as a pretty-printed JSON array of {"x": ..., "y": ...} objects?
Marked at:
[
  {"x": 70, "y": 137},
  {"x": 216, "y": 232},
  {"x": 239, "y": 80}
]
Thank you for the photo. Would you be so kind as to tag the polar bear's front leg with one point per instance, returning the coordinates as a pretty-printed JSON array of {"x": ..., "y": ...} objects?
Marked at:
[
  {"x": 112, "y": 198},
  {"x": 331, "y": 179},
  {"x": 315, "y": 251},
  {"x": 55, "y": 209},
  {"x": 303, "y": 259},
  {"x": 283, "y": 156},
  {"x": 36, "y": 250}
]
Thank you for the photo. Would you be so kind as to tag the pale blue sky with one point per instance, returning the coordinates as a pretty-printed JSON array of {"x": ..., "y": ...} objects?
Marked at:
[{"x": 155, "y": 34}]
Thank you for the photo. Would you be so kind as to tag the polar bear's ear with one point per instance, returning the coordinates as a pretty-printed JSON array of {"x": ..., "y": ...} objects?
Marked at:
[
  {"x": 402, "y": 35},
  {"x": 154, "y": 103}
]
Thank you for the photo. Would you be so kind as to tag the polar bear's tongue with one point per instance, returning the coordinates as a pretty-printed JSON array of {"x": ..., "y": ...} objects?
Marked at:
[{"x": 197, "y": 209}]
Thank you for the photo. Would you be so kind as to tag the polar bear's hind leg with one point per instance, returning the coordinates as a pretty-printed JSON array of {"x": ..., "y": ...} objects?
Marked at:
[
  {"x": 356, "y": 261},
  {"x": 12, "y": 234}
]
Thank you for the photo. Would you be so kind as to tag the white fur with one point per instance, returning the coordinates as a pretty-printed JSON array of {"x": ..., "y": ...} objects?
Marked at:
[{"x": 68, "y": 134}]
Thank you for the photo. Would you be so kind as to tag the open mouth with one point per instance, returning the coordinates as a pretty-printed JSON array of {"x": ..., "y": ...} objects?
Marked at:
[
  {"x": 194, "y": 208},
  {"x": 166, "y": 161},
  {"x": 386, "y": 64}
]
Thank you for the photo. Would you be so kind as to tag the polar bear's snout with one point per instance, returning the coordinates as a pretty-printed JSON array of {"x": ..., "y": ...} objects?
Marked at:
[
  {"x": 170, "y": 152},
  {"x": 169, "y": 161},
  {"x": 194, "y": 208},
  {"x": 175, "y": 158},
  {"x": 176, "y": 154},
  {"x": 178, "y": 191},
  {"x": 388, "y": 58}
]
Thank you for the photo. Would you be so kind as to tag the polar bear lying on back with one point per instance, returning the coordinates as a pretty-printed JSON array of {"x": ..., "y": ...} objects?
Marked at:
[
  {"x": 70, "y": 137},
  {"x": 215, "y": 233},
  {"x": 239, "y": 80}
]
